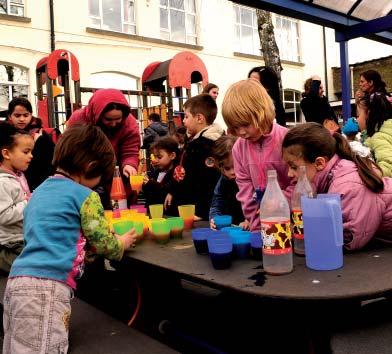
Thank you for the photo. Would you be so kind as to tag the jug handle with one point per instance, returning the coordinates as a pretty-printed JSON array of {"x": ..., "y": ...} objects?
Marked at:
[{"x": 334, "y": 214}]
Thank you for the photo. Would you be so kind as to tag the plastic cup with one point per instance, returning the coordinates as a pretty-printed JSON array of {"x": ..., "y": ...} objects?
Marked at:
[
  {"x": 220, "y": 248},
  {"x": 199, "y": 237},
  {"x": 122, "y": 226},
  {"x": 136, "y": 182},
  {"x": 230, "y": 229},
  {"x": 160, "y": 230},
  {"x": 176, "y": 226},
  {"x": 156, "y": 211},
  {"x": 256, "y": 245},
  {"x": 241, "y": 244},
  {"x": 139, "y": 228},
  {"x": 187, "y": 212},
  {"x": 222, "y": 221},
  {"x": 108, "y": 215},
  {"x": 139, "y": 208}
]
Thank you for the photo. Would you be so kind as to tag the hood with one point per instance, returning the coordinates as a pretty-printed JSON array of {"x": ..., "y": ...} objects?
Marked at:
[
  {"x": 212, "y": 132},
  {"x": 100, "y": 100}
]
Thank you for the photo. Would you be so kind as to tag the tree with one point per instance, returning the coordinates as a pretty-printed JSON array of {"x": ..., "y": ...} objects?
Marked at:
[{"x": 269, "y": 48}]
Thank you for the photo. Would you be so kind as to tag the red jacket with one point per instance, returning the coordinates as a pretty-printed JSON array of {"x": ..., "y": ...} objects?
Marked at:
[{"x": 126, "y": 141}]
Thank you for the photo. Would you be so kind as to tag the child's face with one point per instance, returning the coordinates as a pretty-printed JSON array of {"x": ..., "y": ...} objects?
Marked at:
[
  {"x": 20, "y": 117},
  {"x": 249, "y": 132},
  {"x": 164, "y": 159},
  {"x": 193, "y": 123},
  {"x": 214, "y": 92},
  {"x": 19, "y": 157},
  {"x": 362, "y": 114},
  {"x": 295, "y": 162},
  {"x": 227, "y": 168}
]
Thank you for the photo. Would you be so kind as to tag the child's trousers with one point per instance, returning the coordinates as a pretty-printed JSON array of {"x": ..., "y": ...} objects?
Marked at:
[{"x": 36, "y": 316}]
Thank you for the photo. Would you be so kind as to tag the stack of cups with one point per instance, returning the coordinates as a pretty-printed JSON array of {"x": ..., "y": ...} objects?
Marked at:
[
  {"x": 256, "y": 244},
  {"x": 241, "y": 244},
  {"x": 220, "y": 247}
]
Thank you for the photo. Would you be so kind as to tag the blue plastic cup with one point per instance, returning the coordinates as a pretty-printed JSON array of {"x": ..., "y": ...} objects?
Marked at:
[
  {"x": 241, "y": 244},
  {"x": 199, "y": 237},
  {"x": 222, "y": 221},
  {"x": 256, "y": 244},
  {"x": 221, "y": 260},
  {"x": 220, "y": 247},
  {"x": 230, "y": 229}
]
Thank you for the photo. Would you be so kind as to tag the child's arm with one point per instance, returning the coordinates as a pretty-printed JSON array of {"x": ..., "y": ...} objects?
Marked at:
[
  {"x": 218, "y": 203},
  {"x": 10, "y": 212},
  {"x": 96, "y": 230}
]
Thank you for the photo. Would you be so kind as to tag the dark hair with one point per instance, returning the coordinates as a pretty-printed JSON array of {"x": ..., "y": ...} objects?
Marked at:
[
  {"x": 312, "y": 140},
  {"x": 202, "y": 104},
  {"x": 19, "y": 101},
  {"x": 307, "y": 87},
  {"x": 221, "y": 150},
  {"x": 378, "y": 84},
  {"x": 124, "y": 109},
  {"x": 207, "y": 88},
  {"x": 181, "y": 130},
  {"x": 8, "y": 136},
  {"x": 167, "y": 143},
  {"x": 84, "y": 150},
  {"x": 155, "y": 117},
  {"x": 379, "y": 110}
]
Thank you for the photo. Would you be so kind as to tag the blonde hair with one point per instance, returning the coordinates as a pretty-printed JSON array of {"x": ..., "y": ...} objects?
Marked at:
[{"x": 247, "y": 102}]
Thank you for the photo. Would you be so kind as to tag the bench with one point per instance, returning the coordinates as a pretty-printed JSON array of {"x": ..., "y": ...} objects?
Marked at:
[{"x": 93, "y": 331}]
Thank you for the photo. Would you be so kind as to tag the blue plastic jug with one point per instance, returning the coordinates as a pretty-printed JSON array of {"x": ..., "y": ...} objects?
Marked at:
[{"x": 323, "y": 231}]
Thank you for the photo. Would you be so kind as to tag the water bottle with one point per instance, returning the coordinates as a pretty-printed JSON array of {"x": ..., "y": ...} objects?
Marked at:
[
  {"x": 303, "y": 188},
  {"x": 118, "y": 197},
  {"x": 275, "y": 229}
]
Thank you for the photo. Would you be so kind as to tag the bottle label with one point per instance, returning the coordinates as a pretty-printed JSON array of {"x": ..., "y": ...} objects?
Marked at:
[
  {"x": 298, "y": 224},
  {"x": 276, "y": 237}
]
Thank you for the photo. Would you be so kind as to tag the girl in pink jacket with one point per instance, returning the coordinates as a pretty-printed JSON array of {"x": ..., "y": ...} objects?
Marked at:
[
  {"x": 249, "y": 113},
  {"x": 366, "y": 197}
]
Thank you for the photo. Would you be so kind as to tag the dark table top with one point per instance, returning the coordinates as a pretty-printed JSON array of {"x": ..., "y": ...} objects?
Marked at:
[{"x": 365, "y": 275}]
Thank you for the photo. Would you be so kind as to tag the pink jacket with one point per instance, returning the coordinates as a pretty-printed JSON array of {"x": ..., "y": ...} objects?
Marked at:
[
  {"x": 125, "y": 141},
  {"x": 251, "y": 162},
  {"x": 365, "y": 214}
]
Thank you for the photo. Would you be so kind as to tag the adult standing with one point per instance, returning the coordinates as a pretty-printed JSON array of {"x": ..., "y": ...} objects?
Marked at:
[
  {"x": 315, "y": 105},
  {"x": 370, "y": 82},
  {"x": 109, "y": 110},
  {"x": 268, "y": 78},
  {"x": 20, "y": 115}
]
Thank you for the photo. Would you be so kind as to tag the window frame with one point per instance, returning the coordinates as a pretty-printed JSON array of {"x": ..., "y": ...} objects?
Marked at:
[
  {"x": 254, "y": 27},
  {"x": 298, "y": 118},
  {"x": 10, "y": 3},
  {"x": 296, "y": 57}
]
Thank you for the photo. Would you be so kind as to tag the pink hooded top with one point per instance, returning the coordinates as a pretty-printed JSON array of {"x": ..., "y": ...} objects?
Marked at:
[
  {"x": 365, "y": 214},
  {"x": 125, "y": 141},
  {"x": 252, "y": 160}
]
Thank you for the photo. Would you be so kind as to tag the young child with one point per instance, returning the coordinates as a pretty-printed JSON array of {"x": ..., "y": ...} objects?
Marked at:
[
  {"x": 63, "y": 216},
  {"x": 197, "y": 186},
  {"x": 224, "y": 201},
  {"x": 375, "y": 115},
  {"x": 156, "y": 188},
  {"x": 366, "y": 197},
  {"x": 351, "y": 130},
  {"x": 249, "y": 113},
  {"x": 16, "y": 148}
]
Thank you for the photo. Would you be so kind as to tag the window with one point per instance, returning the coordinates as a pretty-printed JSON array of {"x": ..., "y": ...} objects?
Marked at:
[
  {"x": 178, "y": 20},
  {"x": 246, "y": 33},
  {"x": 287, "y": 38},
  {"x": 291, "y": 101},
  {"x": 12, "y": 7},
  {"x": 113, "y": 15},
  {"x": 13, "y": 83}
]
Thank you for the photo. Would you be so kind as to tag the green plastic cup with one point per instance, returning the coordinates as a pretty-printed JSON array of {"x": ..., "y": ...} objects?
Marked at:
[
  {"x": 160, "y": 230},
  {"x": 139, "y": 228},
  {"x": 156, "y": 211},
  {"x": 176, "y": 226},
  {"x": 123, "y": 226}
]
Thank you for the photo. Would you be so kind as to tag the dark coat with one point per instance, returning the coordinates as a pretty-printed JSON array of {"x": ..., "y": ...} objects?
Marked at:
[{"x": 153, "y": 132}]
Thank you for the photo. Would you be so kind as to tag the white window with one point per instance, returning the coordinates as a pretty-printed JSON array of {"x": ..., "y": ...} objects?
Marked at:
[
  {"x": 287, "y": 38},
  {"x": 13, "y": 83},
  {"x": 12, "y": 7},
  {"x": 246, "y": 33},
  {"x": 178, "y": 20},
  {"x": 113, "y": 15},
  {"x": 291, "y": 101}
]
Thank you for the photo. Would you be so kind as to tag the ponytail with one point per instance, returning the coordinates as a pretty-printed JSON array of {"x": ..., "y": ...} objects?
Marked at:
[{"x": 370, "y": 173}]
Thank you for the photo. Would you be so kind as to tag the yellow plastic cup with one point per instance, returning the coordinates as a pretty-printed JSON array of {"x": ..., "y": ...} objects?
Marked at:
[
  {"x": 136, "y": 182},
  {"x": 156, "y": 211},
  {"x": 187, "y": 212},
  {"x": 108, "y": 215}
]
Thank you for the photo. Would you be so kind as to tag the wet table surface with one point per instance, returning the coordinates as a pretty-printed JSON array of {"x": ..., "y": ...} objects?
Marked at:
[{"x": 364, "y": 275}]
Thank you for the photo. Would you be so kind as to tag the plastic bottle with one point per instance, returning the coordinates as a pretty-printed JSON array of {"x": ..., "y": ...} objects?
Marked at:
[
  {"x": 275, "y": 229},
  {"x": 303, "y": 188},
  {"x": 118, "y": 197}
]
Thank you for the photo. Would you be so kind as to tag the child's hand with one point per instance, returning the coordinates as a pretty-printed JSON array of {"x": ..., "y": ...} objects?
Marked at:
[
  {"x": 197, "y": 218},
  {"x": 168, "y": 201},
  {"x": 212, "y": 224},
  {"x": 145, "y": 179},
  {"x": 245, "y": 225},
  {"x": 128, "y": 239}
]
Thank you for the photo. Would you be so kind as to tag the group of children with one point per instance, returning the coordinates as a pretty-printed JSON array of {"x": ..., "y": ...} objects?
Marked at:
[{"x": 64, "y": 219}]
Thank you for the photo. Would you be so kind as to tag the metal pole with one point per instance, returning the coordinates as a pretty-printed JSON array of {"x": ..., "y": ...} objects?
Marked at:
[
  {"x": 345, "y": 77},
  {"x": 52, "y": 35}
]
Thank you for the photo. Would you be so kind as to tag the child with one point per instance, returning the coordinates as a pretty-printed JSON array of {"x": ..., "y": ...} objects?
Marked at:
[
  {"x": 16, "y": 153},
  {"x": 350, "y": 130},
  {"x": 197, "y": 187},
  {"x": 166, "y": 156},
  {"x": 224, "y": 201},
  {"x": 62, "y": 216},
  {"x": 375, "y": 113},
  {"x": 333, "y": 168},
  {"x": 249, "y": 113}
]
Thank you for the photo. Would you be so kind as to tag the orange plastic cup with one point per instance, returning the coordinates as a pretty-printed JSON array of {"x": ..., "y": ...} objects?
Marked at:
[
  {"x": 136, "y": 182},
  {"x": 187, "y": 212}
]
